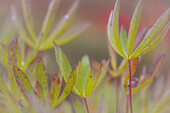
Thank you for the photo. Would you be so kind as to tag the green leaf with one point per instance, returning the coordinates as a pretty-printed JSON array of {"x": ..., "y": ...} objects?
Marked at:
[
  {"x": 115, "y": 25},
  {"x": 18, "y": 53},
  {"x": 123, "y": 39},
  {"x": 49, "y": 18},
  {"x": 80, "y": 79},
  {"x": 154, "y": 43},
  {"x": 153, "y": 32},
  {"x": 62, "y": 62},
  {"x": 22, "y": 78},
  {"x": 39, "y": 91},
  {"x": 12, "y": 61},
  {"x": 68, "y": 87},
  {"x": 89, "y": 82},
  {"x": 134, "y": 27},
  {"x": 28, "y": 19},
  {"x": 20, "y": 29},
  {"x": 58, "y": 30},
  {"x": 42, "y": 77},
  {"x": 55, "y": 88}
]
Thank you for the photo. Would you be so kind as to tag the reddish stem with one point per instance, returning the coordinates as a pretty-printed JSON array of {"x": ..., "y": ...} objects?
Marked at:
[
  {"x": 86, "y": 105},
  {"x": 130, "y": 94}
]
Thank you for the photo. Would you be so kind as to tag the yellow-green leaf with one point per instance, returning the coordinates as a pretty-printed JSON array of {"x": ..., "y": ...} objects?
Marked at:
[
  {"x": 28, "y": 19},
  {"x": 42, "y": 77},
  {"x": 112, "y": 53},
  {"x": 134, "y": 27},
  {"x": 68, "y": 87},
  {"x": 89, "y": 82},
  {"x": 123, "y": 39},
  {"x": 49, "y": 18},
  {"x": 18, "y": 53},
  {"x": 55, "y": 88},
  {"x": 153, "y": 32},
  {"x": 79, "y": 80},
  {"x": 115, "y": 25},
  {"x": 154, "y": 43},
  {"x": 22, "y": 78},
  {"x": 61, "y": 27}
]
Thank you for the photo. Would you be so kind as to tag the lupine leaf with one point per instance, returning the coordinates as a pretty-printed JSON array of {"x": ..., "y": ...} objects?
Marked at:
[
  {"x": 122, "y": 66},
  {"x": 42, "y": 77},
  {"x": 80, "y": 79},
  {"x": 22, "y": 89},
  {"x": 153, "y": 32},
  {"x": 110, "y": 34},
  {"x": 134, "y": 27},
  {"x": 123, "y": 39},
  {"x": 53, "y": 5},
  {"x": 62, "y": 24},
  {"x": 12, "y": 61},
  {"x": 68, "y": 87},
  {"x": 115, "y": 25},
  {"x": 62, "y": 62},
  {"x": 86, "y": 68},
  {"x": 18, "y": 54},
  {"x": 28, "y": 19},
  {"x": 22, "y": 78},
  {"x": 154, "y": 43},
  {"x": 39, "y": 91},
  {"x": 89, "y": 82},
  {"x": 20, "y": 29},
  {"x": 55, "y": 88}
]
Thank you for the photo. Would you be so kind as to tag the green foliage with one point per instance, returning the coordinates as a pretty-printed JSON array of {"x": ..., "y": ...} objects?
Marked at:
[
  {"x": 43, "y": 41},
  {"x": 86, "y": 83},
  {"x": 150, "y": 40}
]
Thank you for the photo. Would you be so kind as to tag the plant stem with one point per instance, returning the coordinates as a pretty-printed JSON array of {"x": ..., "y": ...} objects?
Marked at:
[
  {"x": 130, "y": 95},
  {"x": 117, "y": 94},
  {"x": 86, "y": 105}
]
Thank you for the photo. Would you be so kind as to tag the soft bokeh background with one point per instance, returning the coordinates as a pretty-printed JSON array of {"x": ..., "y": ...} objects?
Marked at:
[{"x": 94, "y": 40}]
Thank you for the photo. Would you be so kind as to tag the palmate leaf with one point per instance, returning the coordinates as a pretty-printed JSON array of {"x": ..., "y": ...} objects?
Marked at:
[
  {"x": 80, "y": 79},
  {"x": 68, "y": 87},
  {"x": 113, "y": 58},
  {"x": 18, "y": 53},
  {"x": 49, "y": 18},
  {"x": 39, "y": 91},
  {"x": 28, "y": 19},
  {"x": 133, "y": 27},
  {"x": 153, "y": 32},
  {"x": 42, "y": 77}
]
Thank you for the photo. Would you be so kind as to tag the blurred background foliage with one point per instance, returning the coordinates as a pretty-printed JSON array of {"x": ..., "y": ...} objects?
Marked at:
[{"x": 94, "y": 43}]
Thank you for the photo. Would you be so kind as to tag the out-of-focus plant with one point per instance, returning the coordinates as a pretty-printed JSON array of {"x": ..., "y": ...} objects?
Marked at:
[
  {"x": 86, "y": 82},
  {"x": 124, "y": 45},
  {"x": 43, "y": 41}
]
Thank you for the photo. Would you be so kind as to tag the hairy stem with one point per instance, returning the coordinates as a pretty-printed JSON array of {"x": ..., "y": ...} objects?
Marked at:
[
  {"x": 86, "y": 105},
  {"x": 130, "y": 95},
  {"x": 117, "y": 94}
]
